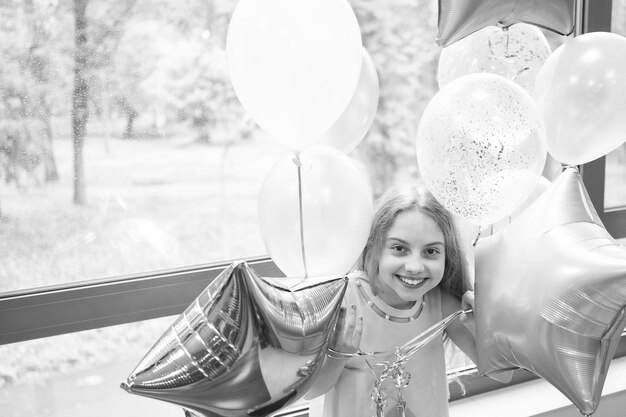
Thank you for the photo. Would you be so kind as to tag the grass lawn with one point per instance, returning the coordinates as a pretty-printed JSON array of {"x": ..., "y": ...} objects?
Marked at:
[{"x": 152, "y": 204}]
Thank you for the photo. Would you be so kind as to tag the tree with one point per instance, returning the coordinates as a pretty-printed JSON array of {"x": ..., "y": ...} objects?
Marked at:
[
  {"x": 80, "y": 111},
  {"x": 400, "y": 38},
  {"x": 38, "y": 65},
  {"x": 89, "y": 55},
  {"x": 171, "y": 61},
  {"x": 27, "y": 79}
]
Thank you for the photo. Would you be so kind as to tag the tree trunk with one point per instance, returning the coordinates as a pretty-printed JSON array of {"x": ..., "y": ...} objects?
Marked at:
[
  {"x": 129, "y": 131},
  {"x": 80, "y": 96},
  {"x": 49, "y": 162},
  {"x": 40, "y": 106}
]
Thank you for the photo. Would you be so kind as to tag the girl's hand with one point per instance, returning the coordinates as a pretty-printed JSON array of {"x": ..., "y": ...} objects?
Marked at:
[
  {"x": 346, "y": 338},
  {"x": 467, "y": 302}
]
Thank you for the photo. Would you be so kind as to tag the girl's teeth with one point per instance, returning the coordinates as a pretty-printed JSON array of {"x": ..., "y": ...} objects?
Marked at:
[{"x": 412, "y": 281}]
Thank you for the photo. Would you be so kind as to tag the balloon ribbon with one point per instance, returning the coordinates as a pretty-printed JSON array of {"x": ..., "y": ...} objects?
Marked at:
[
  {"x": 298, "y": 163},
  {"x": 395, "y": 369}
]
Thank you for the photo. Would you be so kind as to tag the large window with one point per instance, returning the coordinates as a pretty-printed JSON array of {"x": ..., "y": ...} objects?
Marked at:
[
  {"x": 605, "y": 177},
  {"x": 615, "y": 190},
  {"x": 129, "y": 176}
]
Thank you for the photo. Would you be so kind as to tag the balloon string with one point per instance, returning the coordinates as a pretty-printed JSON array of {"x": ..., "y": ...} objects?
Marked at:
[
  {"x": 480, "y": 230},
  {"x": 507, "y": 52},
  {"x": 578, "y": 17},
  {"x": 419, "y": 341},
  {"x": 296, "y": 161}
]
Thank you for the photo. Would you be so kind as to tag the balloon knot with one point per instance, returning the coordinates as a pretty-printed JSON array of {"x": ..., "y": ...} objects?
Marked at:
[{"x": 296, "y": 160}]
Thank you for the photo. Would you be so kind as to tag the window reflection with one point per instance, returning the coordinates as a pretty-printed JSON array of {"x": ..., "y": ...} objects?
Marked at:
[
  {"x": 614, "y": 188},
  {"x": 615, "y": 179},
  {"x": 79, "y": 373},
  {"x": 159, "y": 166}
]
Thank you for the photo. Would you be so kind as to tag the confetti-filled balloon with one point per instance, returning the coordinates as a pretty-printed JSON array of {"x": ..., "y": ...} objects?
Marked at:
[
  {"x": 551, "y": 294},
  {"x": 294, "y": 65},
  {"x": 459, "y": 18},
  {"x": 581, "y": 94},
  {"x": 247, "y": 346},
  {"x": 481, "y": 146},
  {"x": 516, "y": 52}
]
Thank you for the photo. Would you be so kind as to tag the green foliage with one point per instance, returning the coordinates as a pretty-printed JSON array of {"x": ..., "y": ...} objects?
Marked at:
[
  {"x": 165, "y": 60},
  {"x": 399, "y": 37}
]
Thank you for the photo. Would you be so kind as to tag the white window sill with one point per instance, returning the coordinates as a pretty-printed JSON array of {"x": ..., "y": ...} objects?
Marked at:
[{"x": 540, "y": 398}]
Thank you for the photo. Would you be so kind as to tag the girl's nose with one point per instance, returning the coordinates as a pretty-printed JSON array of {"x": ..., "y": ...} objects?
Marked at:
[{"x": 414, "y": 266}]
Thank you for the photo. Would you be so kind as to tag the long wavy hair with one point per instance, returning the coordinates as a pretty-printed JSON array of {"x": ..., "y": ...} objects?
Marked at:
[{"x": 408, "y": 197}]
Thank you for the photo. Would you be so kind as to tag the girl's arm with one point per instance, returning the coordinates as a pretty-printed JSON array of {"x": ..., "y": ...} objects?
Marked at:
[
  {"x": 344, "y": 341},
  {"x": 462, "y": 332}
]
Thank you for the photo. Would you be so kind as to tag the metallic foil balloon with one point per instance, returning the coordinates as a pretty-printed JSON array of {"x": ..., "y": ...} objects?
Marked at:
[
  {"x": 581, "y": 93},
  {"x": 246, "y": 346},
  {"x": 459, "y": 18},
  {"x": 551, "y": 294},
  {"x": 481, "y": 146},
  {"x": 516, "y": 52}
]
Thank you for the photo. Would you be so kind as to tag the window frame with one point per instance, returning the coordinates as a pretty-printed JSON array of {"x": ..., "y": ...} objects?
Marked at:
[
  {"x": 596, "y": 17},
  {"x": 60, "y": 309}
]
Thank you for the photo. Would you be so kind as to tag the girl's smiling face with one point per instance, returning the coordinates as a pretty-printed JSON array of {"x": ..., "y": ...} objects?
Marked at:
[{"x": 412, "y": 261}]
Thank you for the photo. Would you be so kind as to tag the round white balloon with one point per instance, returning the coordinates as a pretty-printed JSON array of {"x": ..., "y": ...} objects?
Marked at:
[
  {"x": 581, "y": 94},
  {"x": 517, "y": 53},
  {"x": 321, "y": 218},
  {"x": 481, "y": 146},
  {"x": 294, "y": 65},
  {"x": 352, "y": 126}
]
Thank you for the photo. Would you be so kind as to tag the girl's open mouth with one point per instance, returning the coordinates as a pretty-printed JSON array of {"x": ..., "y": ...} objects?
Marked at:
[{"x": 411, "y": 282}]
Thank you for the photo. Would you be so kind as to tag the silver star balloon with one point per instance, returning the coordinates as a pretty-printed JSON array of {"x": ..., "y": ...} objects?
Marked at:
[
  {"x": 459, "y": 18},
  {"x": 551, "y": 294},
  {"x": 246, "y": 346}
]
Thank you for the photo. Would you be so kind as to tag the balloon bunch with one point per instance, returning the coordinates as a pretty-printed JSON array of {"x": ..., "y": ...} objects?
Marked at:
[
  {"x": 299, "y": 69},
  {"x": 250, "y": 345},
  {"x": 552, "y": 274}
]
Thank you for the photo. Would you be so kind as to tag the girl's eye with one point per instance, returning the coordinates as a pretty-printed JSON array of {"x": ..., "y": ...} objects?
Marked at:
[
  {"x": 432, "y": 252},
  {"x": 398, "y": 249}
]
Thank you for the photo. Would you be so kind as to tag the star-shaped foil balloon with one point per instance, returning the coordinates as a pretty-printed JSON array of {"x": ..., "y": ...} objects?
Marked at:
[
  {"x": 246, "y": 346},
  {"x": 551, "y": 294},
  {"x": 459, "y": 18}
]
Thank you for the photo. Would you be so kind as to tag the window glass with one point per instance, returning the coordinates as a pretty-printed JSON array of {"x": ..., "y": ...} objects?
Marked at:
[
  {"x": 127, "y": 151},
  {"x": 160, "y": 166},
  {"x": 614, "y": 188},
  {"x": 171, "y": 164},
  {"x": 80, "y": 373}
]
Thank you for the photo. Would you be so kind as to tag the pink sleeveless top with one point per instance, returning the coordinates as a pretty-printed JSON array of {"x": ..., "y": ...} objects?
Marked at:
[{"x": 427, "y": 392}]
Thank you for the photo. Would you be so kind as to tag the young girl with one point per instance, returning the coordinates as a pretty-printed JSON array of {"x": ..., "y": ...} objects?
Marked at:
[{"x": 413, "y": 274}]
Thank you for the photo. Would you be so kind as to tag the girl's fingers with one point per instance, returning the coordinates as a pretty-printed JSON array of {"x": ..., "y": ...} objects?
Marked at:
[
  {"x": 358, "y": 332},
  {"x": 348, "y": 330},
  {"x": 350, "y": 322},
  {"x": 468, "y": 300},
  {"x": 341, "y": 320},
  {"x": 339, "y": 327}
]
